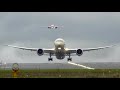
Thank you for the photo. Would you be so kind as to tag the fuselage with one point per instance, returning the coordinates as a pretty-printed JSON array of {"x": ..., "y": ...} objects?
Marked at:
[
  {"x": 59, "y": 48},
  {"x": 52, "y": 27}
]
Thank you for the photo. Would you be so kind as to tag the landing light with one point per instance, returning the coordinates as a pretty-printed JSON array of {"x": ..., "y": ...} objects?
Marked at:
[{"x": 59, "y": 48}]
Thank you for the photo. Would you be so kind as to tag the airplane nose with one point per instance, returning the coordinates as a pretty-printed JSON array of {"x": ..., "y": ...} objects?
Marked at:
[{"x": 59, "y": 44}]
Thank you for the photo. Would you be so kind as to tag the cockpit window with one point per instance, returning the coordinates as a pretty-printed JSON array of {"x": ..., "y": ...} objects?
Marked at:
[{"x": 60, "y": 40}]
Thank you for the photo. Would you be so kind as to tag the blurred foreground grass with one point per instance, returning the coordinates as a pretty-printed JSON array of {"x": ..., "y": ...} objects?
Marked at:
[{"x": 62, "y": 73}]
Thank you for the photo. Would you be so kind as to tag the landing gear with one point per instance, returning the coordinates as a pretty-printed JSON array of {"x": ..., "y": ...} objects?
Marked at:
[
  {"x": 50, "y": 59},
  {"x": 69, "y": 59}
]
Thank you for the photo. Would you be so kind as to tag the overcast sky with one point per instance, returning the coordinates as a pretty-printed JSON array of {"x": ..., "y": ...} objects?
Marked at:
[{"x": 81, "y": 30}]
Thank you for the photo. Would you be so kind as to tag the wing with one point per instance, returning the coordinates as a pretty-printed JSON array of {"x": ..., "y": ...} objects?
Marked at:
[
  {"x": 43, "y": 26},
  {"x": 98, "y": 48},
  {"x": 70, "y": 51},
  {"x": 23, "y": 48},
  {"x": 46, "y": 51},
  {"x": 73, "y": 51},
  {"x": 59, "y": 26}
]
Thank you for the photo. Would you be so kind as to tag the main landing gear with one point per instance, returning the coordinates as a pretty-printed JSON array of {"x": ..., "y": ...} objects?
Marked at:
[
  {"x": 69, "y": 59},
  {"x": 50, "y": 59}
]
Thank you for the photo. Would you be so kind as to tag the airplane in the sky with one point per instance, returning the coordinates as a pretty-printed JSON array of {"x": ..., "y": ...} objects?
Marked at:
[
  {"x": 53, "y": 26},
  {"x": 60, "y": 50}
]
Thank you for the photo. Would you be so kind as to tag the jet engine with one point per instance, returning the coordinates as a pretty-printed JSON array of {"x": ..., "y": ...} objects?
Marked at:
[
  {"x": 40, "y": 52},
  {"x": 79, "y": 52}
]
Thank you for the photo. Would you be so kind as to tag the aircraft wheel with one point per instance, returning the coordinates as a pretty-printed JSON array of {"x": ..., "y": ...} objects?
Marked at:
[
  {"x": 69, "y": 59},
  {"x": 50, "y": 59}
]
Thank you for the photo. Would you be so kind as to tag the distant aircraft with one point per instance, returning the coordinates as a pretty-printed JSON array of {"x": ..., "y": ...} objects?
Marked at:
[
  {"x": 53, "y": 26},
  {"x": 60, "y": 51},
  {"x": 2, "y": 64}
]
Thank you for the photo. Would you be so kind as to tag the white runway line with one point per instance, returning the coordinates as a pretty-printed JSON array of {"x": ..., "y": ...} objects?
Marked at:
[{"x": 80, "y": 65}]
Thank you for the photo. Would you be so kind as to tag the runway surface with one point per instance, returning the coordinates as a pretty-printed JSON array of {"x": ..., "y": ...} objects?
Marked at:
[{"x": 96, "y": 65}]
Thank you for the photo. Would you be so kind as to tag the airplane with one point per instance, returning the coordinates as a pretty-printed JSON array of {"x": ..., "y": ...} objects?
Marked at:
[
  {"x": 60, "y": 50},
  {"x": 2, "y": 63},
  {"x": 52, "y": 26}
]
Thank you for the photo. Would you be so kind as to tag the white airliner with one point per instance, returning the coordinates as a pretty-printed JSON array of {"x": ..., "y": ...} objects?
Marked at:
[
  {"x": 60, "y": 50},
  {"x": 52, "y": 26}
]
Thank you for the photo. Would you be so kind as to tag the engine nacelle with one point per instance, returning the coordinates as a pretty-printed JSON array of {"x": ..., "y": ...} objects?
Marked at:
[
  {"x": 56, "y": 27},
  {"x": 79, "y": 52},
  {"x": 40, "y": 52}
]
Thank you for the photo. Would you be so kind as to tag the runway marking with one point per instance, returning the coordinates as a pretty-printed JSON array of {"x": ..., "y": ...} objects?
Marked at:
[{"x": 80, "y": 65}]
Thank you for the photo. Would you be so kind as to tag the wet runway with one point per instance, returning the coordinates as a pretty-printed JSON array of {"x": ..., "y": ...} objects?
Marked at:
[{"x": 96, "y": 65}]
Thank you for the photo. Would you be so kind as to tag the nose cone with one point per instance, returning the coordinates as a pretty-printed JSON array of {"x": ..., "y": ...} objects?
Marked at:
[{"x": 59, "y": 43}]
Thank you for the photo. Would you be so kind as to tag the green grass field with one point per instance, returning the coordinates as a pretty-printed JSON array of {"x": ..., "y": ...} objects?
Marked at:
[{"x": 63, "y": 73}]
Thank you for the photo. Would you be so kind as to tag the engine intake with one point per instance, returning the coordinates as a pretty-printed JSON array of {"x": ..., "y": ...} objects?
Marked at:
[
  {"x": 79, "y": 52},
  {"x": 40, "y": 52}
]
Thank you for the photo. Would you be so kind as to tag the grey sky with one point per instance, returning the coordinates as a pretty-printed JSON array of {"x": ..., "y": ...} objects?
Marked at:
[{"x": 81, "y": 29}]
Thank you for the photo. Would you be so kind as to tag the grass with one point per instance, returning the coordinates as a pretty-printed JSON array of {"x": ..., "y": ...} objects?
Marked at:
[{"x": 63, "y": 73}]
